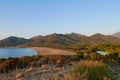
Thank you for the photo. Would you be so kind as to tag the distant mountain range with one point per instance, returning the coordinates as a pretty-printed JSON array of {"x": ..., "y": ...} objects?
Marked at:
[
  {"x": 56, "y": 40},
  {"x": 117, "y": 34}
]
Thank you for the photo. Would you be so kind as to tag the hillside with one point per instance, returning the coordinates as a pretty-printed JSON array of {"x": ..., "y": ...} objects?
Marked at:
[
  {"x": 99, "y": 38},
  {"x": 51, "y": 40},
  {"x": 59, "y": 40},
  {"x": 12, "y": 41}
]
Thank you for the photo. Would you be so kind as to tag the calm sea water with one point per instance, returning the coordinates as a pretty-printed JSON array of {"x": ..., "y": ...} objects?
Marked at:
[{"x": 16, "y": 52}]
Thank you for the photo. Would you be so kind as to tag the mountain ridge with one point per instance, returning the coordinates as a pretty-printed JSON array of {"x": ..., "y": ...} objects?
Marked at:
[{"x": 56, "y": 40}]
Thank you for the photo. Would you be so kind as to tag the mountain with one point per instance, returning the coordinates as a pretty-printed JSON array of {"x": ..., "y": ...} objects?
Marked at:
[
  {"x": 74, "y": 34},
  {"x": 12, "y": 41},
  {"x": 59, "y": 40},
  {"x": 51, "y": 40},
  {"x": 56, "y": 40},
  {"x": 117, "y": 34},
  {"x": 100, "y": 38}
]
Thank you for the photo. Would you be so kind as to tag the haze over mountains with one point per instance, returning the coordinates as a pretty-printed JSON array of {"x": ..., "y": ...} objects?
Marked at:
[
  {"x": 54, "y": 40},
  {"x": 117, "y": 34}
]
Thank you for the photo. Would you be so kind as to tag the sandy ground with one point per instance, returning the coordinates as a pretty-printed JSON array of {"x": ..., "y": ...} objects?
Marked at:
[{"x": 50, "y": 51}]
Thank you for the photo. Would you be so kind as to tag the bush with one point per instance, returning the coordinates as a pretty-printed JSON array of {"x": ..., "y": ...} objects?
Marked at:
[{"x": 91, "y": 70}]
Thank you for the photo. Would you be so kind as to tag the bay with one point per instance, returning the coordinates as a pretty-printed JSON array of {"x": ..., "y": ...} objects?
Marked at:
[{"x": 16, "y": 52}]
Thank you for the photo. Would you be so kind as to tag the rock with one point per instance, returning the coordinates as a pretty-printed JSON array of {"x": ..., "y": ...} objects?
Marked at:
[
  {"x": 30, "y": 69},
  {"x": 19, "y": 75}
]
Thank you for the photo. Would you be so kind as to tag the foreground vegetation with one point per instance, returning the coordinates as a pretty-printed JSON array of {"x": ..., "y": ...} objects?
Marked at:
[
  {"x": 91, "y": 70},
  {"x": 86, "y": 65},
  {"x": 7, "y": 65},
  {"x": 82, "y": 70}
]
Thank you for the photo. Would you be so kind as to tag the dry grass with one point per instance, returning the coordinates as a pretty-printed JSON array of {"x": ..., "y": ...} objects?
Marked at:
[
  {"x": 91, "y": 70},
  {"x": 84, "y": 70}
]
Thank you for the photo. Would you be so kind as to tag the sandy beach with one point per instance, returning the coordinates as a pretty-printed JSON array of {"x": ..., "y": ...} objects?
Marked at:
[{"x": 50, "y": 51}]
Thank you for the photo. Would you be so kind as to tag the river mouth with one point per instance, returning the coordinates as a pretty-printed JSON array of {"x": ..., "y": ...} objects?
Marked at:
[{"x": 16, "y": 52}]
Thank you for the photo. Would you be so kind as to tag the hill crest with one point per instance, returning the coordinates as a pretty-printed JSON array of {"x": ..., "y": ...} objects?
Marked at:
[{"x": 57, "y": 40}]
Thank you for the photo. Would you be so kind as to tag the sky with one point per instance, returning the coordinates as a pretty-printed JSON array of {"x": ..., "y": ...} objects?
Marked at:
[{"x": 28, "y": 18}]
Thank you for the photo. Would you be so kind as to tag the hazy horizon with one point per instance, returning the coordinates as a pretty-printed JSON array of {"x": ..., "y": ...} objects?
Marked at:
[
  {"x": 28, "y": 18},
  {"x": 55, "y": 33}
]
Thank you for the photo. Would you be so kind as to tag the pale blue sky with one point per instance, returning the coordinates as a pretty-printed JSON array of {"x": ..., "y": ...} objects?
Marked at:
[{"x": 28, "y": 18}]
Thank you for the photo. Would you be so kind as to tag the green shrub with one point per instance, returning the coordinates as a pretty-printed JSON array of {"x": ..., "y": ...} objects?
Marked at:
[{"x": 92, "y": 70}]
